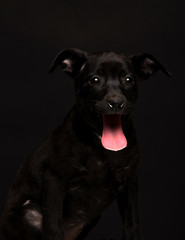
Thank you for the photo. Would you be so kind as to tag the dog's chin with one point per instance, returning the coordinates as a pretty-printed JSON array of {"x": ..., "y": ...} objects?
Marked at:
[{"x": 110, "y": 131}]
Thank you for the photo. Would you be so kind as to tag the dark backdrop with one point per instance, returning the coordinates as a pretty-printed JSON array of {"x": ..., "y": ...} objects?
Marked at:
[{"x": 33, "y": 102}]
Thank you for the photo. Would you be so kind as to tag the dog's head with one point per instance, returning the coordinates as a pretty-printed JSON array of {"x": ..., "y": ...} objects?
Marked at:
[{"x": 106, "y": 87}]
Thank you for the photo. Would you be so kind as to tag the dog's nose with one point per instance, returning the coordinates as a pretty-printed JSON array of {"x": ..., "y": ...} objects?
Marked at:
[{"x": 115, "y": 106}]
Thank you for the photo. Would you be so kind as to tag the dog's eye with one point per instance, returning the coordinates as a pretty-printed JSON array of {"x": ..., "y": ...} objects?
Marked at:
[
  {"x": 129, "y": 80},
  {"x": 94, "y": 81}
]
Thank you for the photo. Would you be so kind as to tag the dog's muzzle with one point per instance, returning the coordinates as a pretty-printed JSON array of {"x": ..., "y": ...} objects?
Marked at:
[{"x": 116, "y": 106}]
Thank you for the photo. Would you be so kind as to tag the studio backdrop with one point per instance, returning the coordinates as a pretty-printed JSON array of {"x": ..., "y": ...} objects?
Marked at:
[{"x": 33, "y": 102}]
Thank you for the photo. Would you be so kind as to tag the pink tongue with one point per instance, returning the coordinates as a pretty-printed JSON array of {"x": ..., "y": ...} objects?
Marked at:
[{"x": 113, "y": 137}]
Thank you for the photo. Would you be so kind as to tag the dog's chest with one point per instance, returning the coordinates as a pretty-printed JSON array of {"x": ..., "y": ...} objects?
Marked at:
[
  {"x": 96, "y": 170},
  {"x": 93, "y": 186}
]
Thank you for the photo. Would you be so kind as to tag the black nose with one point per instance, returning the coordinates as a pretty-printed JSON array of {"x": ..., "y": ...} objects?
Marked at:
[{"x": 115, "y": 106}]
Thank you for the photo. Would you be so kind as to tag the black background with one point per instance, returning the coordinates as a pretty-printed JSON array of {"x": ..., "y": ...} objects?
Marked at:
[{"x": 34, "y": 102}]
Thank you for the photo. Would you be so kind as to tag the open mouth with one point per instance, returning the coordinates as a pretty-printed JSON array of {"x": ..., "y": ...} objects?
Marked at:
[{"x": 113, "y": 137}]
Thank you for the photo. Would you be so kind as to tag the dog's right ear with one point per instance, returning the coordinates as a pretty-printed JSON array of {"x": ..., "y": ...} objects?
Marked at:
[{"x": 71, "y": 60}]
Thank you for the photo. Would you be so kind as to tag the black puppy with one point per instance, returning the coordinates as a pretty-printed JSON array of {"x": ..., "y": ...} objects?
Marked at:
[{"x": 91, "y": 159}]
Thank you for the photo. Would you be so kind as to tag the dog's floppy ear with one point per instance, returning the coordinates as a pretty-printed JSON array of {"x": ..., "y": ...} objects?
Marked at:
[
  {"x": 71, "y": 60},
  {"x": 146, "y": 65}
]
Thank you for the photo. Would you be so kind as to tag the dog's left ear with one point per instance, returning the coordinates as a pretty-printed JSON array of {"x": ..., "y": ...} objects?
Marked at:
[
  {"x": 146, "y": 65},
  {"x": 71, "y": 60}
]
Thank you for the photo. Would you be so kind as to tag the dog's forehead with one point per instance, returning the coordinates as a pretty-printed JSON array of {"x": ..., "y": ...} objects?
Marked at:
[{"x": 109, "y": 61}]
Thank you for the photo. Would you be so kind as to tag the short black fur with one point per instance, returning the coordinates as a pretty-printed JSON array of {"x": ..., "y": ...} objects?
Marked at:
[{"x": 63, "y": 187}]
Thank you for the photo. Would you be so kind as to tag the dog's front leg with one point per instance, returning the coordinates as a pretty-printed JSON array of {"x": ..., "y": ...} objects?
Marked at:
[
  {"x": 52, "y": 203},
  {"x": 128, "y": 203}
]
